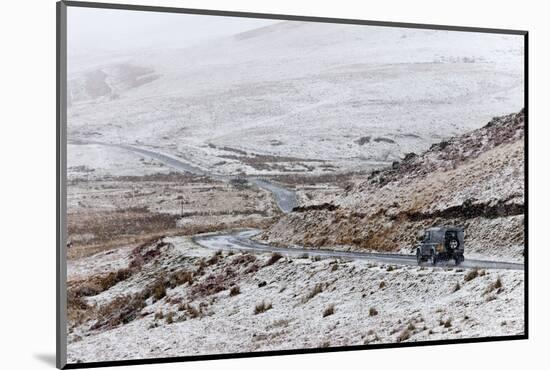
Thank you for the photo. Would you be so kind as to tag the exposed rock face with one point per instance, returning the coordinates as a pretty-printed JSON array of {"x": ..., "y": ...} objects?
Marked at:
[{"x": 475, "y": 180}]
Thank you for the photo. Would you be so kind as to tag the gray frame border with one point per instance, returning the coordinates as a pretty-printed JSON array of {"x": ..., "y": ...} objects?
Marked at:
[{"x": 61, "y": 186}]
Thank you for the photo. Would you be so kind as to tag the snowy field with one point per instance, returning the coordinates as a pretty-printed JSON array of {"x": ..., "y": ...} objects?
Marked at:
[{"x": 324, "y": 97}]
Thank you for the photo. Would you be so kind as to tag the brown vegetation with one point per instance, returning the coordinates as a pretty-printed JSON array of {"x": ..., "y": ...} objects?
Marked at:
[{"x": 262, "y": 307}]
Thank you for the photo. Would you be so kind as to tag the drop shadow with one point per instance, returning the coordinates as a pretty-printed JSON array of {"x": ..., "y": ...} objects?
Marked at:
[{"x": 47, "y": 358}]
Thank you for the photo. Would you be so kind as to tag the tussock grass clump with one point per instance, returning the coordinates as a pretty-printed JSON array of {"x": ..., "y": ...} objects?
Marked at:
[
  {"x": 121, "y": 310},
  {"x": 180, "y": 278},
  {"x": 234, "y": 291},
  {"x": 262, "y": 307},
  {"x": 253, "y": 268},
  {"x": 274, "y": 258},
  {"x": 214, "y": 283},
  {"x": 497, "y": 285},
  {"x": 328, "y": 311},
  {"x": 373, "y": 311},
  {"x": 99, "y": 283},
  {"x": 280, "y": 323},
  {"x": 170, "y": 318},
  {"x": 159, "y": 315},
  {"x": 158, "y": 290},
  {"x": 243, "y": 259},
  {"x": 316, "y": 290},
  {"x": 471, "y": 275},
  {"x": 456, "y": 288},
  {"x": 405, "y": 334},
  {"x": 190, "y": 310}
]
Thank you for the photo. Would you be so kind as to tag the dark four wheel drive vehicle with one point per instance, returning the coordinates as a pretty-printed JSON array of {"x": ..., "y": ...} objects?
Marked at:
[{"x": 441, "y": 244}]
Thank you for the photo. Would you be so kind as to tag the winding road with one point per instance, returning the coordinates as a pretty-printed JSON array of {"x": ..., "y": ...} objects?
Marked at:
[
  {"x": 241, "y": 240},
  {"x": 286, "y": 200}
]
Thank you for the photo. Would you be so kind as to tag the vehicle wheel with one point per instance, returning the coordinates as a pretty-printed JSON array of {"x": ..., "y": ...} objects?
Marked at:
[
  {"x": 418, "y": 257},
  {"x": 434, "y": 259}
]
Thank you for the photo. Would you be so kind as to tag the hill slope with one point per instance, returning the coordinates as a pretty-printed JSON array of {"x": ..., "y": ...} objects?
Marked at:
[
  {"x": 475, "y": 180},
  {"x": 330, "y": 92}
]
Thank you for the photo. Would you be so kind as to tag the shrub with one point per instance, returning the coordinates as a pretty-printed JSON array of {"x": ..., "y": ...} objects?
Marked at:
[
  {"x": 262, "y": 307},
  {"x": 328, "y": 311},
  {"x": 316, "y": 290},
  {"x": 373, "y": 311},
  {"x": 497, "y": 285},
  {"x": 214, "y": 283},
  {"x": 121, "y": 310},
  {"x": 180, "y": 278},
  {"x": 405, "y": 334},
  {"x": 159, "y": 315},
  {"x": 234, "y": 291},
  {"x": 471, "y": 275},
  {"x": 192, "y": 311},
  {"x": 170, "y": 318},
  {"x": 274, "y": 258},
  {"x": 158, "y": 290},
  {"x": 213, "y": 260}
]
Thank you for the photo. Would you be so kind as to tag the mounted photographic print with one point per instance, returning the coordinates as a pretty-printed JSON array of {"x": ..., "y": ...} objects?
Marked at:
[{"x": 237, "y": 184}]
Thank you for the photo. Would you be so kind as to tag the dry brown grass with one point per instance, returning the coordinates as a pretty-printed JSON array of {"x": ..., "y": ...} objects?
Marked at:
[
  {"x": 273, "y": 258},
  {"x": 405, "y": 334},
  {"x": 456, "y": 287},
  {"x": 214, "y": 283},
  {"x": 328, "y": 311},
  {"x": 119, "y": 229},
  {"x": 235, "y": 290},
  {"x": 119, "y": 311},
  {"x": 316, "y": 290},
  {"x": 471, "y": 275},
  {"x": 262, "y": 307}
]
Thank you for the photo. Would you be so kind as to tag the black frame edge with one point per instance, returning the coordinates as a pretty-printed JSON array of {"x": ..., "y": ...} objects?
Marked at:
[
  {"x": 151, "y": 361},
  {"x": 526, "y": 182}
]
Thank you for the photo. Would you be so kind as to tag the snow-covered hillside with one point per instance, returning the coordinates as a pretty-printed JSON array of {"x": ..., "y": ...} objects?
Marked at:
[
  {"x": 476, "y": 180},
  {"x": 348, "y": 97},
  {"x": 174, "y": 298}
]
